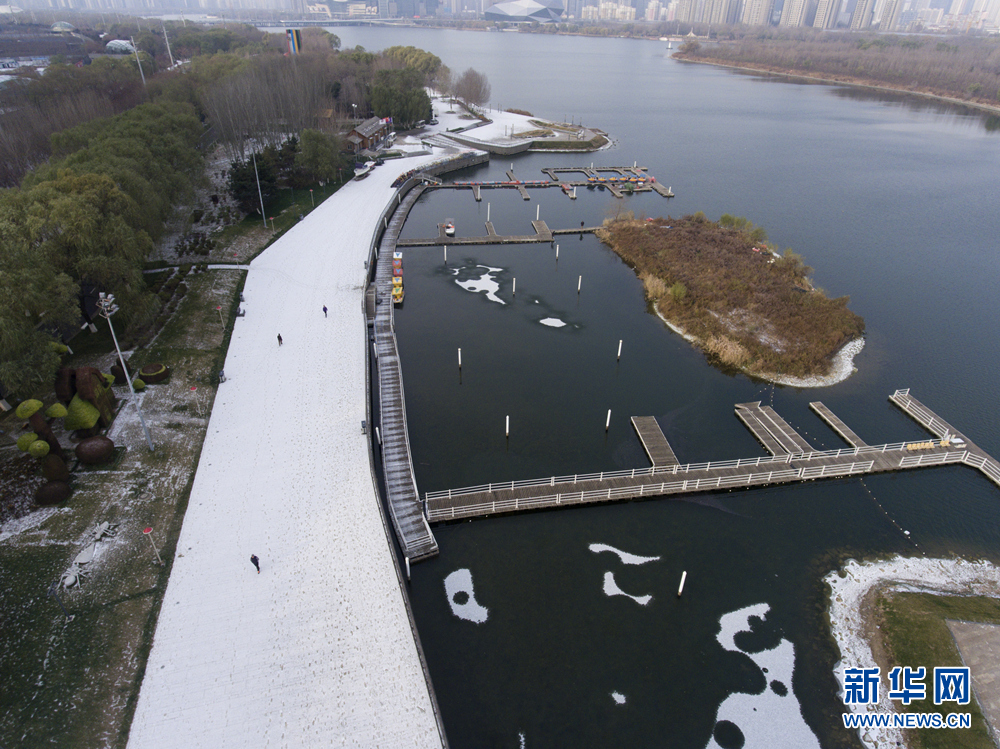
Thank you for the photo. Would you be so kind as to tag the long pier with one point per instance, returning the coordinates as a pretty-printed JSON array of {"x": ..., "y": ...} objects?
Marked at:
[
  {"x": 411, "y": 526},
  {"x": 542, "y": 235},
  {"x": 781, "y": 467}
]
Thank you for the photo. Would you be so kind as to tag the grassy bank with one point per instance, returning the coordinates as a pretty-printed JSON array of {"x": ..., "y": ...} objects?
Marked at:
[
  {"x": 915, "y": 633},
  {"x": 746, "y": 306}
]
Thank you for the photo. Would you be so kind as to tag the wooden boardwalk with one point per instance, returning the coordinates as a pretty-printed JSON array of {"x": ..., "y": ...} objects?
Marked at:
[
  {"x": 779, "y": 468},
  {"x": 542, "y": 235},
  {"x": 773, "y": 432},
  {"x": 833, "y": 421},
  {"x": 654, "y": 441},
  {"x": 411, "y": 526}
]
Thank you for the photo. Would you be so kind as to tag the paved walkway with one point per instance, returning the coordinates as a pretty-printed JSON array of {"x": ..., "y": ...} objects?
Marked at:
[
  {"x": 317, "y": 649},
  {"x": 979, "y": 645}
]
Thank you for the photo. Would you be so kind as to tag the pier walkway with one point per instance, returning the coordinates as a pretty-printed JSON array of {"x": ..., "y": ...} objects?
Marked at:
[
  {"x": 411, "y": 527},
  {"x": 779, "y": 468},
  {"x": 653, "y": 440},
  {"x": 834, "y": 422},
  {"x": 542, "y": 235},
  {"x": 773, "y": 432}
]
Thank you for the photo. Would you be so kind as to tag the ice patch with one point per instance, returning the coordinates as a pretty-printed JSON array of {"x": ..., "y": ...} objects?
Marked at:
[
  {"x": 462, "y": 599},
  {"x": 611, "y": 589},
  {"x": 772, "y": 718},
  {"x": 623, "y": 555},
  {"x": 618, "y": 697},
  {"x": 485, "y": 282},
  {"x": 553, "y": 322}
]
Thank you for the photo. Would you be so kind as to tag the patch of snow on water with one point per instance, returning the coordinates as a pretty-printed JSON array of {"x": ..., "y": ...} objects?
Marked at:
[
  {"x": 618, "y": 697},
  {"x": 611, "y": 589},
  {"x": 553, "y": 322},
  {"x": 462, "y": 599},
  {"x": 623, "y": 555},
  {"x": 772, "y": 718},
  {"x": 486, "y": 283}
]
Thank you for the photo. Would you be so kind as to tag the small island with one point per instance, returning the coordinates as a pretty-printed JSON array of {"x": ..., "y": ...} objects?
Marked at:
[{"x": 722, "y": 286}]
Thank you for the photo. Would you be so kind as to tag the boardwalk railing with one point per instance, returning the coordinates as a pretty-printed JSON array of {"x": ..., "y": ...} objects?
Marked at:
[
  {"x": 985, "y": 464},
  {"x": 936, "y": 459},
  {"x": 640, "y": 490},
  {"x": 902, "y": 399},
  {"x": 676, "y": 469}
]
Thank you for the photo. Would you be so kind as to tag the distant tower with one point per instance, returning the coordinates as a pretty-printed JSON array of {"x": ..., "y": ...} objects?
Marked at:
[
  {"x": 826, "y": 14},
  {"x": 862, "y": 17},
  {"x": 758, "y": 12},
  {"x": 793, "y": 14}
]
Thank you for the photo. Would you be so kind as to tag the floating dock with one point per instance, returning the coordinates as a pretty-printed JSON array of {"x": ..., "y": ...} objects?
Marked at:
[
  {"x": 654, "y": 442},
  {"x": 846, "y": 433},
  {"x": 778, "y": 468},
  {"x": 542, "y": 234},
  {"x": 773, "y": 432}
]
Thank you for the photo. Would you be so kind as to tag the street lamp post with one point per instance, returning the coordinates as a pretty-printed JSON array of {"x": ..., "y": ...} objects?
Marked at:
[
  {"x": 312, "y": 198},
  {"x": 107, "y": 307},
  {"x": 53, "y": 594}
]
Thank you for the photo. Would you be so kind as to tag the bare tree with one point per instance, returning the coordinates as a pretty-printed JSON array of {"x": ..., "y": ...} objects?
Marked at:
[{"x": 472, "y": 88}]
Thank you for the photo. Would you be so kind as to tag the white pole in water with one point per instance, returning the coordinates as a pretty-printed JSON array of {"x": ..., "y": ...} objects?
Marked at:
[
  {"x": 607, "y": 422},
  {"x": 512, "y": 164},
  {"x": 378, "y": 435},
  {"x": 635, "y": 164},
  {"x": 487, "y": 211},
  {"x": 579, "y": 281},
  {"x": 385, "y": 222},
  {"x": 445, "y": 248},
  {"x": 681, "y": 588},
  {"x": 538, "y": 212},
  {"x": 619, "y": 349},
  {"x": 460, "y": 358},
  {"x": 513, "y": 290},
  {"x": 557, "y": 252},
  {"x": 507, "y": 427},
  {"x": 407, "y": 568}
]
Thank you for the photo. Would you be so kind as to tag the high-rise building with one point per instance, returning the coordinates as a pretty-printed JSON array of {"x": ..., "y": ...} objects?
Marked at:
[
  {"x": 862, "y": 17},
  {"x": 889, "y": 18},
  {"x": 826, "y": 14},
  {"x": 757, "y": 12},
  {"x": 793, "y": 14}
]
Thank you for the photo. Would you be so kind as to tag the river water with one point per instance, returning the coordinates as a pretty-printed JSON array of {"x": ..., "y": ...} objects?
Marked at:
[{"x": 891, "y": 199}]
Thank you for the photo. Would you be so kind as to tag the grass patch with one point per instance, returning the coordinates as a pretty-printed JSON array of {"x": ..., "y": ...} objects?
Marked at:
[{"x": 915, "y": 634}]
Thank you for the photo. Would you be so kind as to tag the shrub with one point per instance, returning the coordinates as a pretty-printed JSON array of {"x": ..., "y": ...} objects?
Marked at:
[
  {"x": 39, "y": 449},
  {"x": 25, "y": 441},
  {"x": 138, "y": 384},
  {"x": 80, "y": 414}
]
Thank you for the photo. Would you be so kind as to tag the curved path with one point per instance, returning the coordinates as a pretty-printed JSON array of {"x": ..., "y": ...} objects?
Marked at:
[{"x": 317, "y": 649}]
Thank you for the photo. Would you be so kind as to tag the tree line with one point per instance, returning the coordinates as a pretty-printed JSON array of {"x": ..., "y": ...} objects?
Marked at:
[
  {"x": 86, "y": 220},
  {"x": 966, "y": 67},
  {"x": 86, "y": 202}
]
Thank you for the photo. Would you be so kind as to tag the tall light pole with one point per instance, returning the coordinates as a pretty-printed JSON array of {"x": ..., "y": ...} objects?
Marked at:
[{"x": 106, "y": 305}]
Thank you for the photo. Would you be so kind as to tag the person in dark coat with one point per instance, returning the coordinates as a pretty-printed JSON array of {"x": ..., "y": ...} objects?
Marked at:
[
  {"x": 255, "y": 562},
  {"x": 324, "y": 310},
  {"x": 279, "y": 339}
]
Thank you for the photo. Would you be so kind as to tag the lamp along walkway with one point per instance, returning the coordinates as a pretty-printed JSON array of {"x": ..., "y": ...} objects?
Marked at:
[{"x": 791, "y": 459}]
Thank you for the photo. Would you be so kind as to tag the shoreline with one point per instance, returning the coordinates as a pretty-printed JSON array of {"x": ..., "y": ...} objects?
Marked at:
[
  {"x": 838, "y": 82},
  {"x": 851, "y": 590},
  {"x": 841, "y": 368}
]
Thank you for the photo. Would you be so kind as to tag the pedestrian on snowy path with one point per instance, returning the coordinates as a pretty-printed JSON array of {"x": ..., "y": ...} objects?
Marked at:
[
  {"x": 255, "y": 562},
  {"x": 279, "y": 339},
  {"x": 324, "y": 310}
]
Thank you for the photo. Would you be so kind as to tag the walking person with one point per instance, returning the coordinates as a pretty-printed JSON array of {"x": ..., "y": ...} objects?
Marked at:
[
  {"x": 324, "y": 310},
  {"x": 279, "y": 339},
  {"x": 255, "y": 562}
]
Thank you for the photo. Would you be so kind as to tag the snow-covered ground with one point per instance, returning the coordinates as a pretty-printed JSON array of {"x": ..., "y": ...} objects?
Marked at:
[{"x": 316, "y": 649}]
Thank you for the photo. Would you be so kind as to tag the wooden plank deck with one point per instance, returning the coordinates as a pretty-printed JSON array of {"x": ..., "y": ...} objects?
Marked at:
[
  {"x": 771, "y": 430},
  {"x": 834, "y": 422},
  {"x": 542, "y": 234},
  {"x": 411, "y": 526},
  {"x": 638, "y": 483},
  {"x": 654, "y": 441}
]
